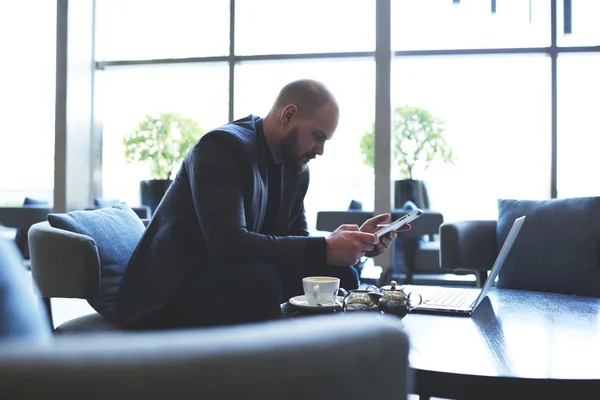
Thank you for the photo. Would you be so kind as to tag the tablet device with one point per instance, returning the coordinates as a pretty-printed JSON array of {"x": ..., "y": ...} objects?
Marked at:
[{"x": 397, "y": 224}]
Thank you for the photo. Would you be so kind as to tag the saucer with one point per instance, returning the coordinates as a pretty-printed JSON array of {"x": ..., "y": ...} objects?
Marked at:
[{"x": 300, "y": 302}]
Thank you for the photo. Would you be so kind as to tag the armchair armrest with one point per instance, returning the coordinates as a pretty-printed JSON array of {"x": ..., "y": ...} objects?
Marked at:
[
  {"x": 307, "y": 358},
  {"x": 63, "y": 263},
  {"x": 468, "y": 245}
]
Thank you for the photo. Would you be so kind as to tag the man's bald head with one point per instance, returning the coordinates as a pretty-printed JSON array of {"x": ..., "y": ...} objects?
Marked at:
[
  {"x": 307, "y": 94},
  {"x": 303, "y": 118}
]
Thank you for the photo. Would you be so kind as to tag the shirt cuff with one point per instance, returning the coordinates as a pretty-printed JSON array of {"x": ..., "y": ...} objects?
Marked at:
[{"x": 316, "y": 250}]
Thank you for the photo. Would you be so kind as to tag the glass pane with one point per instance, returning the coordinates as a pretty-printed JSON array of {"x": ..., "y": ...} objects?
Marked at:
[
  {"x": 200, "y": 93},
  {"x": 27, "y": 97},
  {"x": 146, "y": 29},
  {"x": 578, "y": 130},
  {"x": 584, "y": 24},
  {"x": 310, "y": 26},
  {"x": 470, "y": 24},
  {"x": 496, "y": 112},
  {"x": 339, "y": 176}
]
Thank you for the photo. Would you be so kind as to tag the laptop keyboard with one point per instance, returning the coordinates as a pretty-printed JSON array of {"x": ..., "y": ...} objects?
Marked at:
[{"x": 453, "y": 298}]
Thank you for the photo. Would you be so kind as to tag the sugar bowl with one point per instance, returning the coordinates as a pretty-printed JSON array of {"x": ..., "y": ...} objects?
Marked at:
[
  {"x": 362, "y": 299},
  {"x": 396, "y": 301}
]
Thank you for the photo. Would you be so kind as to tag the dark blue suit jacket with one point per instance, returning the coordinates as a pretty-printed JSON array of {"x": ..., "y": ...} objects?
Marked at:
[{"x": 210, "y": 217}]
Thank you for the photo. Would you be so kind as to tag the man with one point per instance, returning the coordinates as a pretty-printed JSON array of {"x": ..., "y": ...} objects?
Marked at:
[{"x": 229, "y": 241}]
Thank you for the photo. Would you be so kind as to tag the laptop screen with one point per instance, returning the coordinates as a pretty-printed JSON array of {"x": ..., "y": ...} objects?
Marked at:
[{"x": 508, "y": 243}]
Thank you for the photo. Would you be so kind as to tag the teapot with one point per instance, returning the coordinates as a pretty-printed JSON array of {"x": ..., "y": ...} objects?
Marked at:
[
  {"x": 361, "y": 299},
  {"x": 396, "y": 301}
]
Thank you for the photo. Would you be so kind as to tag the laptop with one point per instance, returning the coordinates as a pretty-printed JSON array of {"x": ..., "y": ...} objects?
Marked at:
[{"x": 465, "y": 300}]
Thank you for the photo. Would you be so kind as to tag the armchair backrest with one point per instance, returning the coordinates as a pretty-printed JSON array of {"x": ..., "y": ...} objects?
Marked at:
[{"x": 428, "y": 224}]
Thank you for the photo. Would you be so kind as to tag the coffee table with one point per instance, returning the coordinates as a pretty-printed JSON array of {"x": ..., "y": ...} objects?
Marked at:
[{"x": 516, "y": 344}]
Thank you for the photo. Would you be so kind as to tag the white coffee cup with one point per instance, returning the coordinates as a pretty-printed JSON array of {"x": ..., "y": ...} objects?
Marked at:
[{"x": 320, "y": 289}]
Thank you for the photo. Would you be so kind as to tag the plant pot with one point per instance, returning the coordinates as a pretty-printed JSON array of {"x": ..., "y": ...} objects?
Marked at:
[
  {"x": 152, "y": 192},
  {"x": 413, "y": 190}
]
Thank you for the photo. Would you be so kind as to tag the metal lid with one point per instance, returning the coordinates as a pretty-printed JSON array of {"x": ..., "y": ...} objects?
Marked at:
[{"x": 392, "y": 286}]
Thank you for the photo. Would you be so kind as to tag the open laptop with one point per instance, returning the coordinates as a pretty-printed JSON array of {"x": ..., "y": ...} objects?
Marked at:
[{"x": 465, "y": 300}]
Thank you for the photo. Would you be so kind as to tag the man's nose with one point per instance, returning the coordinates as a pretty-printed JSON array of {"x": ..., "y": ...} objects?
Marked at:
[{"x": 320, "y": 149}]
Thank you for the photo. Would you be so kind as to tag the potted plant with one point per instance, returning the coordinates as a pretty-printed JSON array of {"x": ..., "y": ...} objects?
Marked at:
[
  {"x": 419, "y": 142},
  {"x": 162, "y": 142}
]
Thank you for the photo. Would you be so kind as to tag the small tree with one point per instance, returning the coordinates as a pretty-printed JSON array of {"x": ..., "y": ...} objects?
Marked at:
[
  {"x": 162, "y": 142},
  {"x": 418, "y": 142}
]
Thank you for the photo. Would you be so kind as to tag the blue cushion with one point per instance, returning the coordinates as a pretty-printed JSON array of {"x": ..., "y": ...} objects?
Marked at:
[
  {"x": 116, "y": 231},
  {"x": 20, "y": 316},
  {"x": 558, "y": 248}
]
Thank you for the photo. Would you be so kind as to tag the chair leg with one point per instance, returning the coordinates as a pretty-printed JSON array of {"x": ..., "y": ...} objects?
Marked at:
[
  {"x": 480, "y": 278},
  {"x": 45, "y": 302},
  {"x": 410, "y": 248}
]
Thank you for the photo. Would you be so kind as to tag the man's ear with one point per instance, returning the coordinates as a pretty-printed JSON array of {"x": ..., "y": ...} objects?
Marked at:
[{"x": 289, "y": 112}]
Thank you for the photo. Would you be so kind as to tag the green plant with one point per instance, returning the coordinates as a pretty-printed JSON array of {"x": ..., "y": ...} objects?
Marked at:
[
  {"x": 162, "y": 142},
  {"x": 418, "y": 142}
]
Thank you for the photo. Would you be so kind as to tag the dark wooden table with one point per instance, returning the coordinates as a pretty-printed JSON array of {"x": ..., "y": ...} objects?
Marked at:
[{"x": 516, "y": 345}]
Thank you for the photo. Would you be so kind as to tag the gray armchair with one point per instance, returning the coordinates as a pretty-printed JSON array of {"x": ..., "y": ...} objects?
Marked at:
[
  {"x": 328, "y": 357},
  {"x": 417, "y": 251},
  {"x": 66, "y": 264},
  {"x": 320, "y": 357},
  {"x": 21, "y": 218},
  {"x": 469, "y": 246}
]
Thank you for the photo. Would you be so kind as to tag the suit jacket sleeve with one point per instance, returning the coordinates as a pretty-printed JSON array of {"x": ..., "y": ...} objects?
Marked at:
[{"x": 218, "y": 195}]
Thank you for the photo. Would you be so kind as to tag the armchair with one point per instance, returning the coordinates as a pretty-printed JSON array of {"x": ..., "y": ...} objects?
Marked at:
[
  {"x": 300, "y": 359},
  {"x": 83, "y": 254},
  {"x": 416, "y": 250},
  {"x": 469, "y": 246},
  {"x": 313, "y": 357},
  {"x": 21, "y": 219}
]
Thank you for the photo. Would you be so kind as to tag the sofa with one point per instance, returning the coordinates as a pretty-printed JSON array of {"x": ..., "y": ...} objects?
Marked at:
[
  {"x": 317, "y": 357},
  {"x": 556, "y": 251}
]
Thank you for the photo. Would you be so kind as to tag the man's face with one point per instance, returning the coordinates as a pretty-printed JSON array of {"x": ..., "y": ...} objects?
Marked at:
[{"x": 306, "y": 138}]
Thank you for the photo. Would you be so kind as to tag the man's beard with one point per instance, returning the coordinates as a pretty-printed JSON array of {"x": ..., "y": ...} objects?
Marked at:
[{"x": 289, "y": 144}]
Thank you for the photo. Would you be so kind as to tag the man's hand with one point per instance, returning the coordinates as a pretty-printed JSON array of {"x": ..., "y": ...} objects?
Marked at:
[
  {"x": 347, "y": 244},
  {"x": 372, "y": 225}
]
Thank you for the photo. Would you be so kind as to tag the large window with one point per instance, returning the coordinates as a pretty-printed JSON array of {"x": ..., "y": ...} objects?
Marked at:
[
  {"x": 27, "y": 88},
  {"x": 578, "y": 127},
  {"x": 496, "y": 112},
  {"x": 197, "y": 92},
  {"x": 487, "y": 73},
  {"x": 584, "y": 23},
  {"x": 310, "y": 26},
  {"x": 470, "y": 24},
  {"x": 148, "y": 29}
]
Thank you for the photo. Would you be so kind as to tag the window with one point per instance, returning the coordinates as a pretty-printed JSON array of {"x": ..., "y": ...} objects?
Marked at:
[
  {"x": 497, "y": 116},
  {"x": 339, "y": 176},
  {"x": 578, "y": 128},
  {"x": 497, "y": 108},
  {"x": 584, "y": 24},
  {"x": 309, "y": 26},
  {"x": 470, "y": 24},
  {"x": 198, "y": 92},
  {"x": 146, "y": 29},
  {"x": 27, "y": 98}
]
